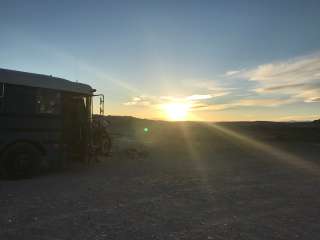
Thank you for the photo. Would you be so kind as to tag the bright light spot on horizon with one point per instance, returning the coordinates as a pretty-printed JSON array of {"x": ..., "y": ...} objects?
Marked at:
[{"x": 176, "y": 111}]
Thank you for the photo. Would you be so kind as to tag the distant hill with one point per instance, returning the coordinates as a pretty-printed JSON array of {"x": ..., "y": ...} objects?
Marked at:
[
  {"x": 273, "y": 131},
  {"x": 317, "y": 121}
]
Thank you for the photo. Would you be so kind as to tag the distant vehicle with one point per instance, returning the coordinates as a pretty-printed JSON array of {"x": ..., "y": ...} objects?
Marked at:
[{"x": 44, "y": 120}]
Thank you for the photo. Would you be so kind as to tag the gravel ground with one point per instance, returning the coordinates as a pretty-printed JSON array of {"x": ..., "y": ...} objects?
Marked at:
[{"x": 219, "y": 188}]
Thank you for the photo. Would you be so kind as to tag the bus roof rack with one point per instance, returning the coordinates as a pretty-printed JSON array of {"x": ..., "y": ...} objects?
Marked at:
[{"x": 43, "y": 81}]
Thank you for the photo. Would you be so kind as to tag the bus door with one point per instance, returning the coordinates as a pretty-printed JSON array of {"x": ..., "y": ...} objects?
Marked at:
[{"x": 76, "y": 127}]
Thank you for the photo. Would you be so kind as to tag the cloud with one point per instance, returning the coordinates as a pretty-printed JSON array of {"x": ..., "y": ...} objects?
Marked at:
[
  {"x": 295, "y": 71},
  {"x": 254, "y": 102},
  {"x": 309, "y": 95},
  {"x": 201, "y": 102},
  {"x": 139, "y": 101},
  {"x": 282, "y": 87},
  {"x": 271, "y": 85},
  {"x": 297, "y": 78},
  {"x": 271, "y": 102},
  {"x": 145, "y": 100},
  {"x": 315, "y": 99},
  {"x": 130, "y": 103},
  {"x": 199, "y": 97},
  {"x": 232, "y": 72}
]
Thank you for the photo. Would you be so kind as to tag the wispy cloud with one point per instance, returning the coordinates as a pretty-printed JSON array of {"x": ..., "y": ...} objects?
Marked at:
[
  {"x": 139, "y": 101},
  {"x": 254, "y": 102},
  {"x": 198, "y": 92},
  {"x": 192, "y": 100},
  {"x": 297, "y": 78},
  {"x": 233, "y": 72},
  {"x": 293, "y": 71},
  {"x": 276, "y": 84},
  {"x": 282, "y": 87},
  {"x": 309, "y": 95},
  {"x": 199, "y": 97}
]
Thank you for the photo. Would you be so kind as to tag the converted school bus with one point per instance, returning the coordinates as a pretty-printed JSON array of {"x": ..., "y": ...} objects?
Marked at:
[{"x": 44, "y": 120}]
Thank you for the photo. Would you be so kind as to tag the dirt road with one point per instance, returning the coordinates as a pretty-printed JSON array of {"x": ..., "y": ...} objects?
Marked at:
[{"x": 178, "y": 188}]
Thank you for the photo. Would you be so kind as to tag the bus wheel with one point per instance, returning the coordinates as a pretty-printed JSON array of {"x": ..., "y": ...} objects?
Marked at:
[{"x": 21, "y": 160}]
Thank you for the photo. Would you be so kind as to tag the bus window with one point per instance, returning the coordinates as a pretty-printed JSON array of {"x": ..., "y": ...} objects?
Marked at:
[
  {"x": 19, "y": 99},
  {"x": 48, "y": 102}
]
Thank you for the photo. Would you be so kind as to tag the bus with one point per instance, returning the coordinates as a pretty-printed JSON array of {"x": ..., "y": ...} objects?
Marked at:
[{"x": 44, "y": 121}]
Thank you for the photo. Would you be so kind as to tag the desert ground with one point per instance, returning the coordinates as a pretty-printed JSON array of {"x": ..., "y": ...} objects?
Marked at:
[{"x": 163, "y": 180}]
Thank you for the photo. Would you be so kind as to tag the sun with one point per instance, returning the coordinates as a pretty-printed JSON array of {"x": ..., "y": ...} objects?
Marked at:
[{"x": 176, "y": 111}]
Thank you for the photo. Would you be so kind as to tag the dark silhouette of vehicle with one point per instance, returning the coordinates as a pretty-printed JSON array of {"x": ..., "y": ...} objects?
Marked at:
[
  {"x": 44, "y": 121},
  {"x": 101, "y": 141}
]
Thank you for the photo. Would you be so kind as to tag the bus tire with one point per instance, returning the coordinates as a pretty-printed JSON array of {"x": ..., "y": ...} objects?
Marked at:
[{"x": 21, "y": 160}]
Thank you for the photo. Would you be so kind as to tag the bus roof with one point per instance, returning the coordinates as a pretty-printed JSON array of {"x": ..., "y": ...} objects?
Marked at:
[{"x": 43, "y": 81}]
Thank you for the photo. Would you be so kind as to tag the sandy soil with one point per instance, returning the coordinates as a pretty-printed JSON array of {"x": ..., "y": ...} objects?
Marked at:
[{"x": 174, "y": 183}]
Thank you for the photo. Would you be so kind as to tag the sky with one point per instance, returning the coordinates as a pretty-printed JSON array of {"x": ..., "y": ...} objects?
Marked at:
[{"x": 189, "y": 60}]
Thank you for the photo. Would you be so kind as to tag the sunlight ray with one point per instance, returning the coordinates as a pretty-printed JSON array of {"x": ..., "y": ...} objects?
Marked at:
[
  {"x": 280, "y": 154},
  {"x": 193, "y": 152}
]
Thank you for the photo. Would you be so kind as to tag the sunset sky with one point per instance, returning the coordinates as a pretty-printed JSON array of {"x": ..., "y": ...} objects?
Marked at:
[{"x": 176, "y": 60}]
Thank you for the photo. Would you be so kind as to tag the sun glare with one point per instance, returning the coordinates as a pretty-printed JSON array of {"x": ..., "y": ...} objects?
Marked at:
[{"x": 176, "y": 111}]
